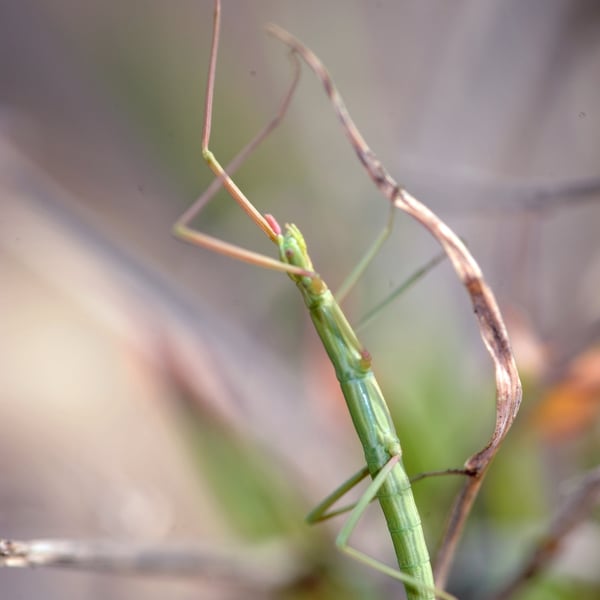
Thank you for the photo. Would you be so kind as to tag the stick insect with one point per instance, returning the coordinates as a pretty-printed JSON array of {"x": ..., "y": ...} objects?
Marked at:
[{"x": 351, "y": 361}]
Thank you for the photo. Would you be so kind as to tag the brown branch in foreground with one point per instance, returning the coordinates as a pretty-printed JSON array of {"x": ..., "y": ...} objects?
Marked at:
[
  {"x": 266, "y": 566},
  {"x": 575, "y": 508},
  {"x": 491, "y": 325}
]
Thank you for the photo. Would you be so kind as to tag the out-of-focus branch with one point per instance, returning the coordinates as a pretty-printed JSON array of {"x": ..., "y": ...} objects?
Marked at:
[
  {"x": 576, "y": 507},
  {"x": 268, "y": 566}
]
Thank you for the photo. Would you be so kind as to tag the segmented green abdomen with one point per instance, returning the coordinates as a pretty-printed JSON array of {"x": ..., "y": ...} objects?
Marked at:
[
  {"x": 376, "y": 431},
  {"x": 404, "y": 524}
]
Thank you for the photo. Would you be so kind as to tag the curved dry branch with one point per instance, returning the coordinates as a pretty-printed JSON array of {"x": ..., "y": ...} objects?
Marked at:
[{"x": 491, "y": 325}]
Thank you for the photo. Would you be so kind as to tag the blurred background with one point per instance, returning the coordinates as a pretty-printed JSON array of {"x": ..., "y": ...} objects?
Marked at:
[{"x": 152, "y": 391}]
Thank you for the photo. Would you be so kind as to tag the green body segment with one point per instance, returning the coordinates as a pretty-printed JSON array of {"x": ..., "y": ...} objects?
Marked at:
[{"x": 369, "y": 413}]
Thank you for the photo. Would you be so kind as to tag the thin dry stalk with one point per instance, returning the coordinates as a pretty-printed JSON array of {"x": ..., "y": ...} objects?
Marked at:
[{"x": 491, "y": 324}]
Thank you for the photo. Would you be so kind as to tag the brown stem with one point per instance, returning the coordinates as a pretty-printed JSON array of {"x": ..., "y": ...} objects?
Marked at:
[{"x": 491, "y": 324}]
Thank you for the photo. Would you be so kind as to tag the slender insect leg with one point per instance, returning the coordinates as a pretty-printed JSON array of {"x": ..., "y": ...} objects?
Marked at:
[
  {"x": 427, "y": 474},
  {"x": 241, "y": 157},
  {"x": 182, "y": 228},
  {"x": 357, "y": 512},
  {"x": 366, "y": 260},
  {"x": 405, "y": 285},
  {"x": 320, "y": 512}
]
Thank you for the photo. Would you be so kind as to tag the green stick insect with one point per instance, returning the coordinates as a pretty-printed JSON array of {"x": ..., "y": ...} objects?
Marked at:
[{"x": 351, "y": 361}]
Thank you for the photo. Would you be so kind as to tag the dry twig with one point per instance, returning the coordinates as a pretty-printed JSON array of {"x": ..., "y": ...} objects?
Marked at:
[{"x": 491, "y": 324}]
